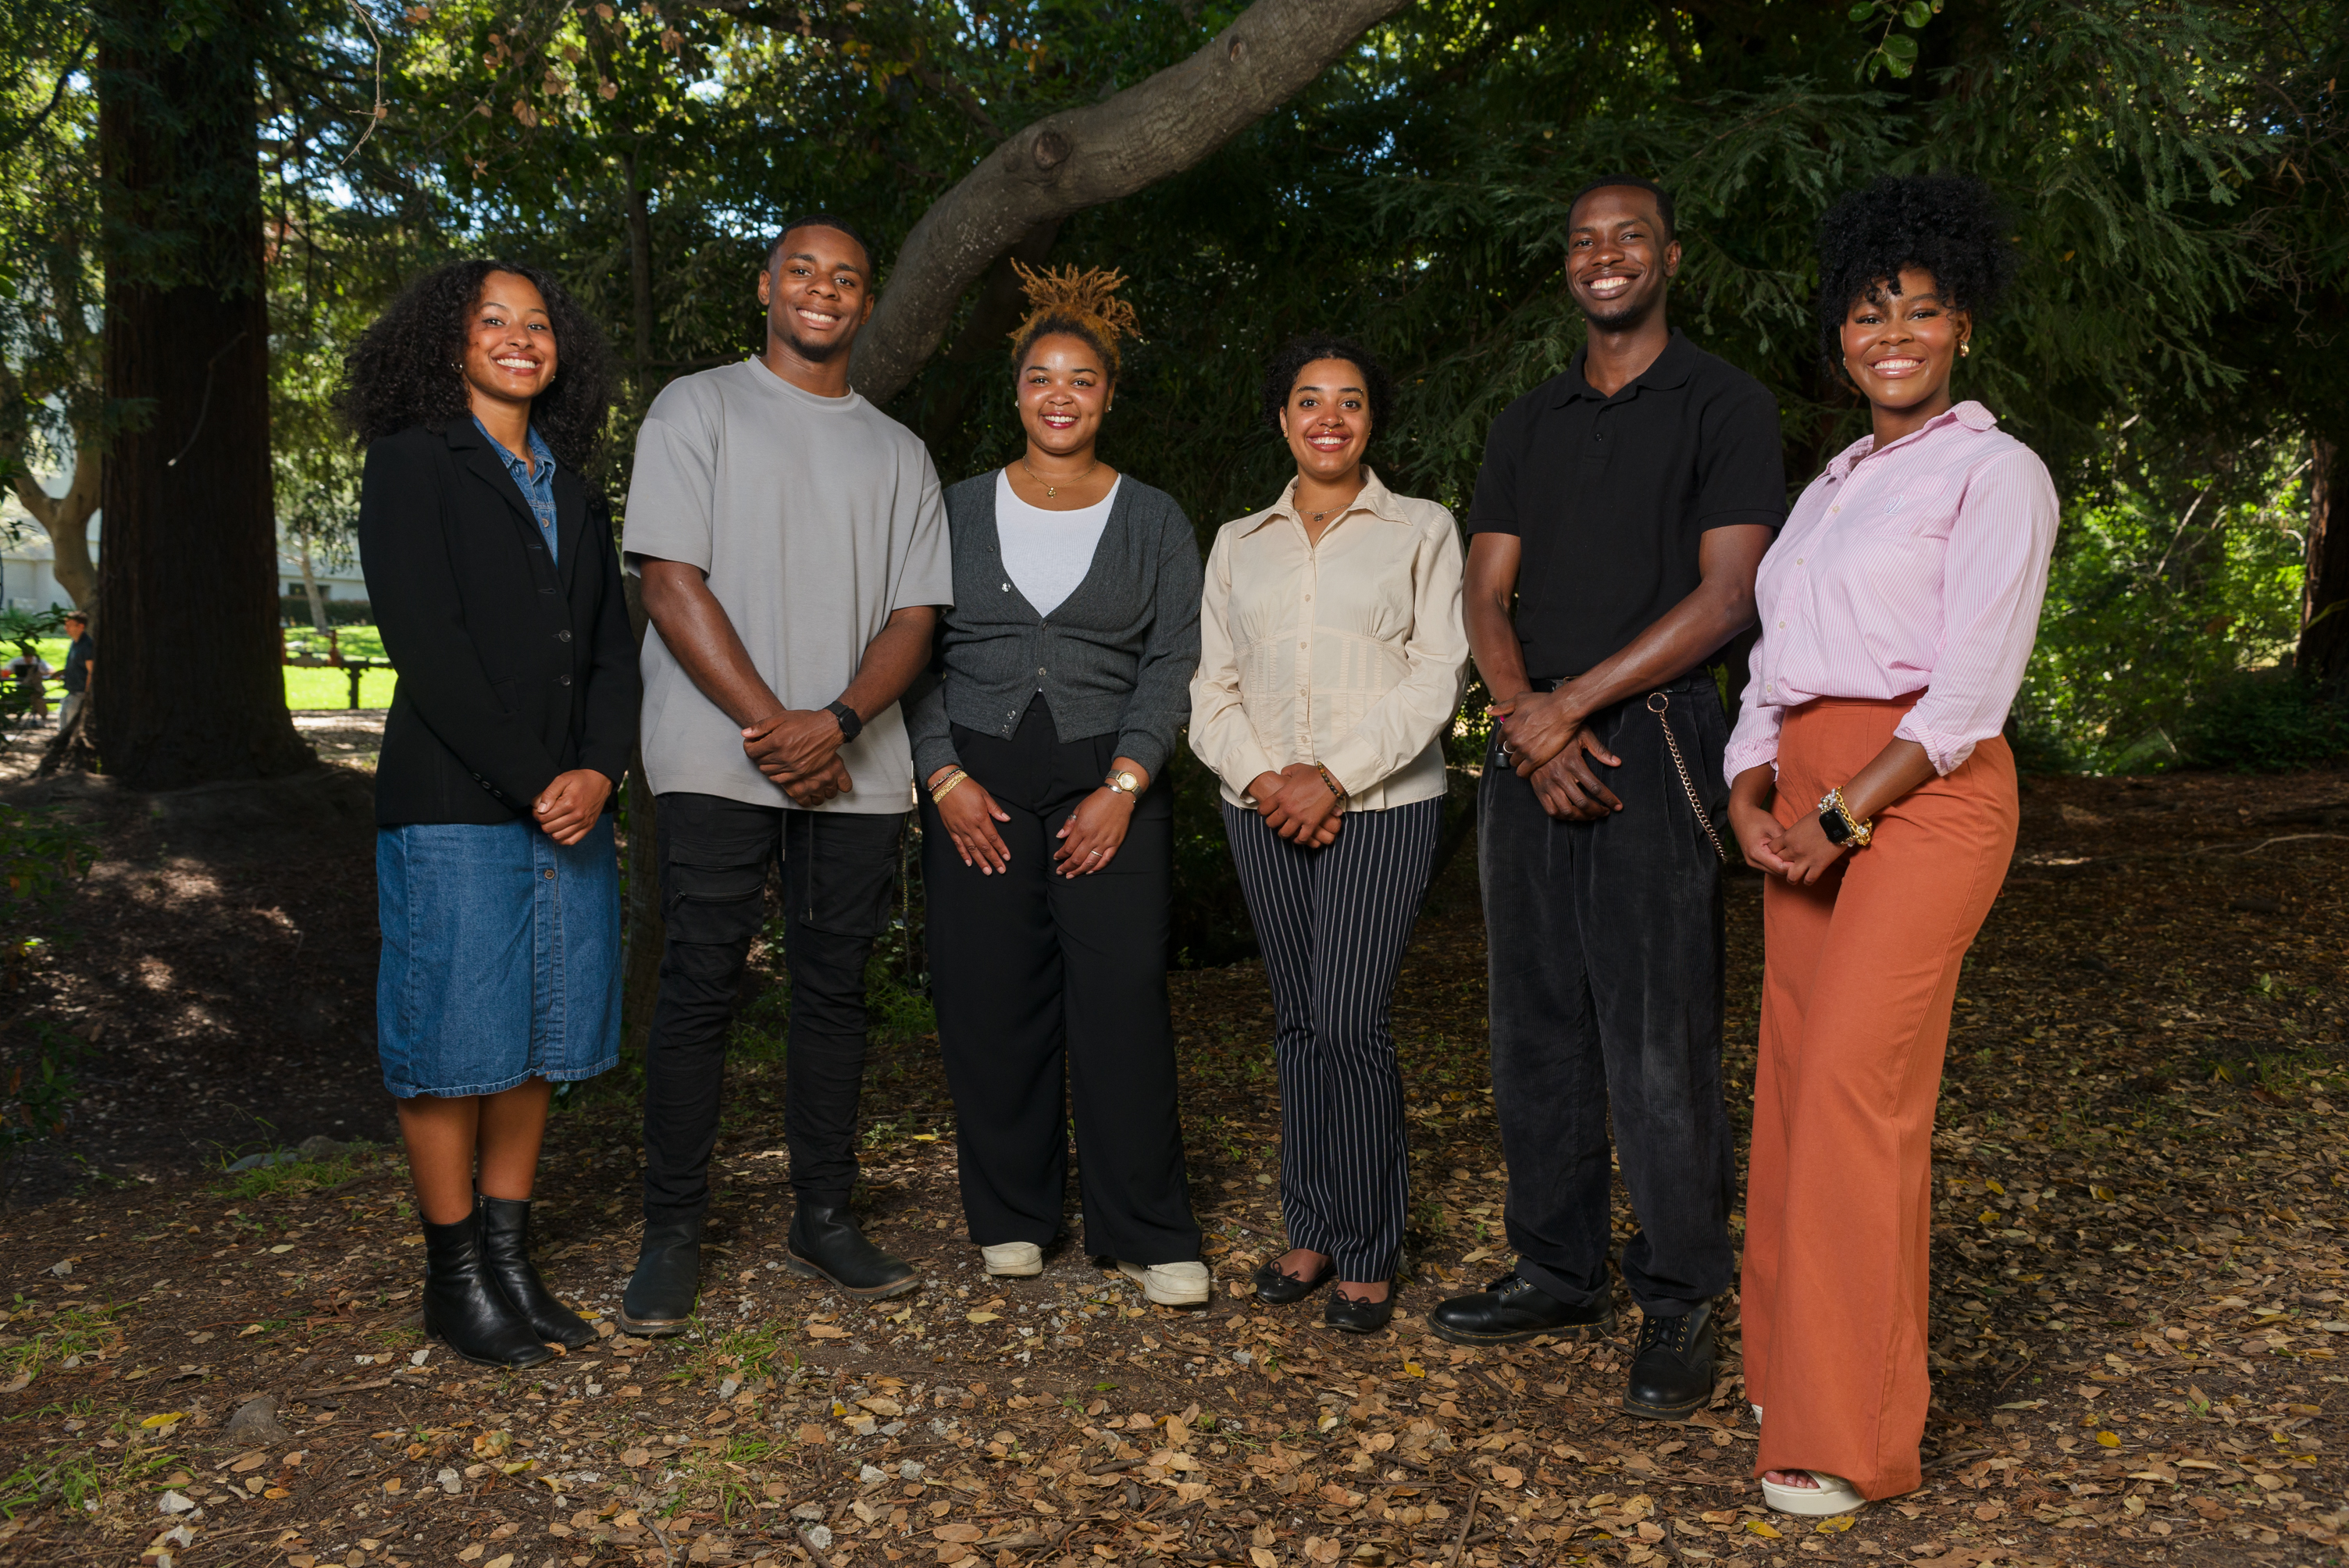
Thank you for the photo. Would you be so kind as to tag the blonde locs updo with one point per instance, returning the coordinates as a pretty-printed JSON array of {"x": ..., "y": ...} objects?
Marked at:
[{"x": 1083, "y": 304}]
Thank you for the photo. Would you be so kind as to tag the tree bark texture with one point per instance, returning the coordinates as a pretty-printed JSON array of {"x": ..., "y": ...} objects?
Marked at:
[
  {"x": 1083, "y": 158},
  {"x": 194, "y": 688},
  {"x": 2323, "y": 654},
  {"x": 66, "y": 520}
]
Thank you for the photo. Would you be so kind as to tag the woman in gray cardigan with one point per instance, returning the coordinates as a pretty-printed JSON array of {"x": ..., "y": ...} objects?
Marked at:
[{"x": 1063, "y": 674}]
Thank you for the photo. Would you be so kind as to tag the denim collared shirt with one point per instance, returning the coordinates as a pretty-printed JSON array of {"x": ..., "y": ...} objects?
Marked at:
[{"x": 537, "y": 489}]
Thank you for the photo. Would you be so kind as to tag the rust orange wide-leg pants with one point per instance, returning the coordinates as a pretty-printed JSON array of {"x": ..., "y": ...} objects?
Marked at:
[{"x": 1859, "y": 972}]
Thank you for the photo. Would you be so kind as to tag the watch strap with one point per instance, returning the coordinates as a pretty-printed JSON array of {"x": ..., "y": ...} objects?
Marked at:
[{"x": 851, "y": 727}]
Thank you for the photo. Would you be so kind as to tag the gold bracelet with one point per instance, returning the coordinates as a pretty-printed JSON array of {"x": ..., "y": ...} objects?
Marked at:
[
  {"x": 940, "y": 791},
  {"x": 1861, "y": 831}
]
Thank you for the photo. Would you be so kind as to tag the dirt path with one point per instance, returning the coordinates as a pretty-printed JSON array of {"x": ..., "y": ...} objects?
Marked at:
[{"x": 2139, "y": 1269}]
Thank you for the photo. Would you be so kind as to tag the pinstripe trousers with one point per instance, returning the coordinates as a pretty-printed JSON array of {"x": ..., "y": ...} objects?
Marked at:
[{"x": 1332, "y": 922}]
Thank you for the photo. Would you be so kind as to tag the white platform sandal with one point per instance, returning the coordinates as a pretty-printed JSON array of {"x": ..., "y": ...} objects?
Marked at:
[{"x": 1833, "y": 1495}]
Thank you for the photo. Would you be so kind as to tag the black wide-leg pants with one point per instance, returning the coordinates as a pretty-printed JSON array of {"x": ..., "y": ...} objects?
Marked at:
[
  {"x": 838, "y": 870},
  {"x": 1333, "y": 923},
  {"x": 1051, "y": 993},
  {"x": 1605, "y": 944}
]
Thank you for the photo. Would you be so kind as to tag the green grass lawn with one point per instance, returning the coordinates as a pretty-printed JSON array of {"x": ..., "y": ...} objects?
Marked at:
[{"x": 306, "y": 687}]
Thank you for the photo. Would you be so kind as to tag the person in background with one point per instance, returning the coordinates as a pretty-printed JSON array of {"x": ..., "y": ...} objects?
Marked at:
[
  {"x": 31, "y": 672},
  {"x": 1622, "y": 508},
  {"x": 1332, "y": 658},
  {"x": 1047, "y": 854},
  {"x": 81, "y": 657},
  {"x": 1872, "y": 785},
  {"x": 794, "y": 552},
  {"x": 481, "y": 396}
]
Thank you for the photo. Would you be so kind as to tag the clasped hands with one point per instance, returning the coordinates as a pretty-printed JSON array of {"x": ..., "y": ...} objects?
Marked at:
[
  {"x": 1090, "y": 839},
  {"x": 1297, "y": 804},
  {"x": 799, "y": 749},
  {"x": 1799, "y": 851},
  {"x": 1551, "y": 743},
  {"x": 569, "y": 806}
]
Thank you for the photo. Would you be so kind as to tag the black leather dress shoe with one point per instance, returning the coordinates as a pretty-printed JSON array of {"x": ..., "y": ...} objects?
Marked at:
[
  {"x": 464, "y": 1306},
  {"x": 1671, "y": 1374},
  {"x": 659, "y": 1300},
  {"x": 1357, "y": 1315},
  {"x": 1275, "y": 1288},
  {"x": 505, "y": 1246},
  {"x": 1513, "y": 1309},
  {"x": 825, "y": 1245}
]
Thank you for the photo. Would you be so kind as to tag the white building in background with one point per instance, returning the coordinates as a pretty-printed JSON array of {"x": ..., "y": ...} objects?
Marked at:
[{"x": 29, "y": 578}]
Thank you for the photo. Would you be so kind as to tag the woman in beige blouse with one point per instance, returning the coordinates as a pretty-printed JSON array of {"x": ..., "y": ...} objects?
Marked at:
[{"x": 1332, "y": 656}]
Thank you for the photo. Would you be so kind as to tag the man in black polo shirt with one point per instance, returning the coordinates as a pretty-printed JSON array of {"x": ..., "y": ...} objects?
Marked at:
[{"x": 1622, "y": 513}]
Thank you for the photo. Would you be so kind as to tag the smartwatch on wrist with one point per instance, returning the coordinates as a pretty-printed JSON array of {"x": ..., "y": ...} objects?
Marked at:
[{"x": 851, "y": 727}]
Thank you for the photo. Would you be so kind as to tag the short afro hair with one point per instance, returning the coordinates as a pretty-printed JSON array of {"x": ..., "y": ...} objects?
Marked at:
[
  {"x": 1946, "y": 224},
  {"x": 828, "y": 221},
  {"x": 406, "y": 369},
  {"x": 1664, "y": 208},
  {"x": 1280, "y": 375}
]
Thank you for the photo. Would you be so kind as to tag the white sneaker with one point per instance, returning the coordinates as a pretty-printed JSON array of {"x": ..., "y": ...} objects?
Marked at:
[
  {"x": 1169, "y": 1284},
  {"x": 1014, "y": 1259}
]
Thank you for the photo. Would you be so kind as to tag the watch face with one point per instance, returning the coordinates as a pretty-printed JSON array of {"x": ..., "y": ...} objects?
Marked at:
[
  {"x": 1833, "y": 826},
  {"x": 1127, "y": 781}
]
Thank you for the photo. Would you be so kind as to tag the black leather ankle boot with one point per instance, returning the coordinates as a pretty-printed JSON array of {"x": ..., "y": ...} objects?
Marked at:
[
  {"x": 505, "y": 1245},
  {"x": 464, "y": 1306},
  {"x": 1672, "y": 1375},
  {"x": 659, "y": 1300},
  {"x": 825, "y": 1245}
]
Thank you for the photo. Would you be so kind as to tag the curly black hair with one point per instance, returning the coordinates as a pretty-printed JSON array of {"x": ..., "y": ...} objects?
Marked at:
[
  {"x": 1280, "y": 375},
  {"x": 1946, "y": 224},
  {"x": 404, "y": 370}
]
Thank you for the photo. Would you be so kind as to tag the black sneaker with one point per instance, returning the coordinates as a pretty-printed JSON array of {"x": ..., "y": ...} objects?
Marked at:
[
  {"x": 1672, "y": 1373},
  {"x": 1513, "y": 1309}
]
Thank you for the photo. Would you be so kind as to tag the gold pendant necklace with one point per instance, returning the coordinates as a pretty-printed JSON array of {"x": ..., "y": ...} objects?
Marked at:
[{"x": 1051, "y": 491}]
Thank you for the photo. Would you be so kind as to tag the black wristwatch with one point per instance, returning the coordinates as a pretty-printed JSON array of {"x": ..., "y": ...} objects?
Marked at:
[
  {"x": 851, "y": 727},
  {"x": 1832, "y": 824}
]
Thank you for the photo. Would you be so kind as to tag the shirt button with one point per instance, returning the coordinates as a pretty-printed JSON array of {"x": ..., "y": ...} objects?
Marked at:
[
  {"x": 564, "y": 680},
  {"x": 563, "y": 635},
  {"x": 548, "y": 873},
  {"x": 1040, "y": 669},
  {"x": 1798, "y": 561},
  {"x": 1836, "y": 508},
  {"x": 1782, "y": 626}
]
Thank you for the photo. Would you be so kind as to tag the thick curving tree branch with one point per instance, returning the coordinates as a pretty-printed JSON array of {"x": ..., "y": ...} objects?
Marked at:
[{"x": 1083, "y": 158}]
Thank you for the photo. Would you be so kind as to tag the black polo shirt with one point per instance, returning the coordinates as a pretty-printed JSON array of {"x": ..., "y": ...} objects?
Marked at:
[{"x": 1609, "y": 496}]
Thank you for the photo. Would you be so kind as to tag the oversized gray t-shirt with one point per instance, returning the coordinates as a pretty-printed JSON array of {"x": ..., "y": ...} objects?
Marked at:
[{"x": 815, "y": 518}]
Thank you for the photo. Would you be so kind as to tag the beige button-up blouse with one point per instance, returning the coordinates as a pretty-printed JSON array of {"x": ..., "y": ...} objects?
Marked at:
[{"x": 1350, "y": 653}]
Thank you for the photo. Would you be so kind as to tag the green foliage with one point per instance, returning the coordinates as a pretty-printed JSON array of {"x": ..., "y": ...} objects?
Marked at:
[
  {"x": 38, "y": 1338},
  {"x": 2264, "y": 721},
  {"x": 288, "y": 1171}
]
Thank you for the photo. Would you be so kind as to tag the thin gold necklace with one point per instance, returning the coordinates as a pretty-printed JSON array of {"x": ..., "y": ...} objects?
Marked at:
[{"x": 1052, "y": 492}]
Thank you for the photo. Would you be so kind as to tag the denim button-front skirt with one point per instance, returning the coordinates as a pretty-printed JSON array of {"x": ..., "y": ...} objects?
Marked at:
[{"x": 501, "y": 956}]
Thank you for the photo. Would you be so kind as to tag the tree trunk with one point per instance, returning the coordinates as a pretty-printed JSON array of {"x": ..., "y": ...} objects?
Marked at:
[
  {"x": 66, "y": 520},
  {"x": 640, "y": 278},
  {"x": 987, "y": 334},
  {"x": 194, "y": 691},
  {"x": 310, "y": 589},
  {"x": 2323, "y": 656},
  {"x": 1080, "y": 157}
]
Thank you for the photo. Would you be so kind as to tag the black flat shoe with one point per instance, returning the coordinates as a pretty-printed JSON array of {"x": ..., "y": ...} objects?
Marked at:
[
  {"x": 1357, "y": 1314},
  {"x": 659, "y": 1300},
  {"x": 464, "y": 1308},
  {"x": 505, "y": 1247},
  {"x": 1672, "y": 1373},
  {"x": 1275, "y": 1288},
  {"x": 1513, "y": 1309},
  {"x": 825, "y": 1245}
]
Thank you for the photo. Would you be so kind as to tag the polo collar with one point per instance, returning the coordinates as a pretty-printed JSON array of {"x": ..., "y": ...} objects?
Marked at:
[
  {"x": 1970, "y": 414},
  {"x": 1375, "y": 499},
  {"x": 1671, "y": 368}
]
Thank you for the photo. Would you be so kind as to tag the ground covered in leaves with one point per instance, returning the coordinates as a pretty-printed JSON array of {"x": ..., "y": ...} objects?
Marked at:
[{"x": 2139, "y": 1277}]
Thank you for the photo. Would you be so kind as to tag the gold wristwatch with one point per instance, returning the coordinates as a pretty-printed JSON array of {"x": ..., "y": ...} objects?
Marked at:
[{"x": 1125, "y": 781}]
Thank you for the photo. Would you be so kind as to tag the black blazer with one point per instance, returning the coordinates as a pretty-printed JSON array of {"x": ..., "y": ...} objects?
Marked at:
[{"x": 513, "y": 667}]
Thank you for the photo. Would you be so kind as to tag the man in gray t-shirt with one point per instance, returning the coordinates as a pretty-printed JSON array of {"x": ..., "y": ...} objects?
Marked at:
[{"x": 792, "y": 548}]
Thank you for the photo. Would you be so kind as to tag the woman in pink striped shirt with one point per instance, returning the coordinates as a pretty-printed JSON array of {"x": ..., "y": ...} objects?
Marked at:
[{"x": 1870, "y": 783}]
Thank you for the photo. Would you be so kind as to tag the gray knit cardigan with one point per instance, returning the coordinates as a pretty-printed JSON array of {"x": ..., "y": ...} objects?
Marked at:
[{"x": 1116, "y": 656}]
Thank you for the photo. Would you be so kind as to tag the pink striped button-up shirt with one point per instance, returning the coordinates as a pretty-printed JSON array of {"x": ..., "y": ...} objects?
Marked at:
[{"x": 1918, "y": 566}]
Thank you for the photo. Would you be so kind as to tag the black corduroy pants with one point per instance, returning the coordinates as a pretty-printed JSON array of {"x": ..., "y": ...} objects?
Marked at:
[
  {"x": 1052, "y": 1007},
  {"x": 1333, "y": 923},
  {"x": 1605, "y": 941}
]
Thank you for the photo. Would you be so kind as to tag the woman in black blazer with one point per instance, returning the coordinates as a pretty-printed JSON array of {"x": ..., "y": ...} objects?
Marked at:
[{"x": 481, "y": 395}]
